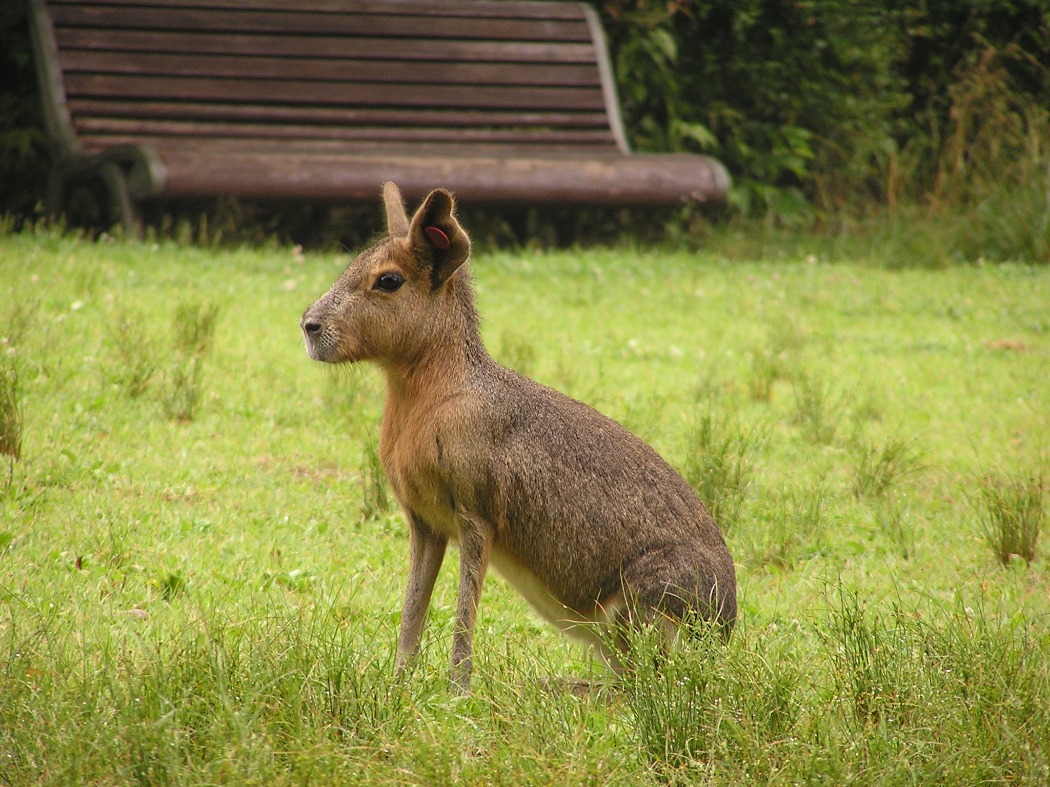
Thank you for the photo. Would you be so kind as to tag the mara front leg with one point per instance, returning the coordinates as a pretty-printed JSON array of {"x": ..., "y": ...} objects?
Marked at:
[
  {"x": 427, "y": 551},
  {"x": 475, "y": 546}
]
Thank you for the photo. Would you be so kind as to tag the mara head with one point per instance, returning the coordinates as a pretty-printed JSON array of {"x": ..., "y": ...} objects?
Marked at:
[{"x": 398, "y": 295}]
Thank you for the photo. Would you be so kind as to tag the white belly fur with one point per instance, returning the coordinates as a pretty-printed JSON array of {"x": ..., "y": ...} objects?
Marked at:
[{"x": 536, "y": 593}]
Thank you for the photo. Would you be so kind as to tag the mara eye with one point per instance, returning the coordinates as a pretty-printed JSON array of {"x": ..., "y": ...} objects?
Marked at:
[{"x": 388, "y": 282}]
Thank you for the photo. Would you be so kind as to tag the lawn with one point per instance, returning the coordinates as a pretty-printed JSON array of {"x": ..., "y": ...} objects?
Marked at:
[{"x": 201, "y": 567}]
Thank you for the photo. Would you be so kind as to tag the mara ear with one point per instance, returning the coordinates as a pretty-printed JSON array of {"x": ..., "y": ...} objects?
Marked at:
[
  {"x": 396, "y": 220},
  {"x": 436, "y": 239}
]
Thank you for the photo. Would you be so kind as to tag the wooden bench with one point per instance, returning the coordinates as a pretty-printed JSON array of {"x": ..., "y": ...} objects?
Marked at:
[{"x": 503, "y": 101}]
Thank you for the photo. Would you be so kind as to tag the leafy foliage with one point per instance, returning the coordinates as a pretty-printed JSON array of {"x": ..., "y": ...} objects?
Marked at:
[
  {"x": 824, "y": 105},
  {"x": 23, "y": 161}
]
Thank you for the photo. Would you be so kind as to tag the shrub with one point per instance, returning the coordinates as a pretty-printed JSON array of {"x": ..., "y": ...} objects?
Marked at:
[
  {"x": 830, "y": 105},
  {"x": 23, "y": 158}
]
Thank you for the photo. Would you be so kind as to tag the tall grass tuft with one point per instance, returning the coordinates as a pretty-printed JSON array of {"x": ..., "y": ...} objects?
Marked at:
[
  {"x": 866, "y": 656},
  {"x": 375, "y": 500},
  {"x": 144, "y": 362},
  {"x": 1012, "y": 510},
  {"x": 705, "y": 706},
  {"x": 137, "y": 354},
  {"x": 194, "y": 330},
  {"x": 11, "y": 413},
  {"x": 223, "y": 698},
  {"x": 195, "y": 327},
  {"x": 773, "y": 361},
  {"x": 958, "y": 696},
  {"x": 719, "y": 466},
  {"x": 893, "y": 516},
  {"x": 766, "y": 369},
  {"x": 794, "y": 526},
  {"x": 818, "y": 409},
  {"x": 881, "y": 467}
]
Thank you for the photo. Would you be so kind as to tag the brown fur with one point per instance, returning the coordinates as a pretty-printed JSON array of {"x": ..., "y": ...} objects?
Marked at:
[{"x": 582, "y": 517}]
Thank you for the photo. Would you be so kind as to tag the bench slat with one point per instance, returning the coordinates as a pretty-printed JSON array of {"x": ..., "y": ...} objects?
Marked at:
[
  {"x": 98, "y": 133},
  {"x": 331, "y": 69},
  {"x": 322, "y": 46},
  {"x": 333, "y": 116},
  {"x": 529, "y": 9},
  {"x": 349, "y": 23},
  {"x": 327, "y": 148},
  {"x": 293, "y": 92},
  {"x": 478, "y": 175}
]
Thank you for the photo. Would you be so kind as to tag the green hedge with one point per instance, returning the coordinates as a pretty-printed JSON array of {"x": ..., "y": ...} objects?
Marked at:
[
  {"x": 826, "y": 103},
  {"x": 23, "y": 159}
]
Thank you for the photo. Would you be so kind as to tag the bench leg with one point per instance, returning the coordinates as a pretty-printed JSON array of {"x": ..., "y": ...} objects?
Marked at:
[
  {"x": 55, "y": 193},
  {"x": 117, "y": 183}
]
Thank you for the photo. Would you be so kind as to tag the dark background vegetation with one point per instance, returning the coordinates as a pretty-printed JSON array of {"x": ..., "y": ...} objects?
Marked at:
[{"x": 833, "y": 116}]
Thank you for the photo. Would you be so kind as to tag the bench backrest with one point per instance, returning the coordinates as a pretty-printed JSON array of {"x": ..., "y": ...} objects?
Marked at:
[{"x": 453, "y": 72}]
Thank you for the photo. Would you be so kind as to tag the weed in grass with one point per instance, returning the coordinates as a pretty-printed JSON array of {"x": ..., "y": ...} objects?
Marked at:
[
  {"x": 818, "y": 409},
  {"x": 957, "y": 678},
  {"x": 894, "y": 519},
  {"x": 710, "y": 385},
  {"x": 866, "y": 658},
  {"x": 719, "y": 466},
  {"x": 375, "y": 499},
  {"x": 567, "y": 375},
  {"x": 881, "y": 467},
  {"x": 219, "y": 699},
  {"x": 766, "y": 369},
  {"x": 141, "y": 359},
  {"x": 12, "y": 416},
  {"x": 113, "y": 540},
  {"x": 772, "y": 362},
  {"x": 639, "y": 414},
  {"x": 867, "y": 407},
  {"x": 794, "y": 527},
  {"x": 171, "y": 585},
  {"x": 194, "y": 325},
  {"x": 987, "y": 667},
  {"x": 137, "y": 353},
  {"x": 183, "y": 392},
  {"x": 194, "y": 329},
  {"x": 19, "y": 321},
  {"x": 1012, "y": 510},
  {"x": 11, "y": 412}
]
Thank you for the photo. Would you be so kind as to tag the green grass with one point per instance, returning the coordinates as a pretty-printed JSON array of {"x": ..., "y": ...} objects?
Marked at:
[
  {"x": 210, "y": 594},
  {"x": 1014, "y": 511}
]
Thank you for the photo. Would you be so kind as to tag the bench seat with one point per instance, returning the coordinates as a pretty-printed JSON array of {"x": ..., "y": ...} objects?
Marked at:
[{"x": 478, "y": 174}]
